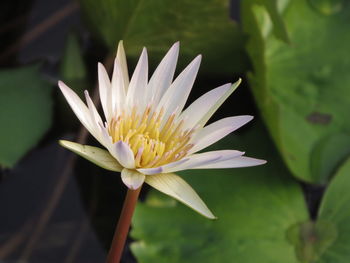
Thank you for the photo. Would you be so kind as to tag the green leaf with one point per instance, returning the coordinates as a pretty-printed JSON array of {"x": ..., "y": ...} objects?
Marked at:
[
  {"x": 335, "y": 208},
  {"x": 302, "y": 88},
  {"x": 72, "y": 65},
  {"x": 25, "y": 112},
  {"x": 201, "y": 27},
  {"x": 255, "y": 208}
]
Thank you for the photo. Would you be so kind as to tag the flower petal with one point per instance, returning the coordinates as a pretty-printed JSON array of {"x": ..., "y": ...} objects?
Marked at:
[
  {"x": 176, "y": 187},
  {"x": 123, "y": 65},
  {"x": 149, "y": 171},
  {"x": 200, "y": 159},
  {"x": 124, "y": 154},
  {"x": 118, "y": 88},
  {"x": 132, "y": 179},
  {"x": 176, "y": 96},
  {"x": 163, "y": 75},
  {"x": 196, "y": 111},
  {"x": 105, "y": 91},
  {"x": 95, "y": 117},
  {"x": 138, "y": 83},
  {"x": 217, "y": 130},
  {"x": 80, "y": 110},
  {"x": 95, "y": 155},
  {"x": 77, "y": 105},
  {"x": 200, "y": 111},
  {"x": 237, "y": 162}
]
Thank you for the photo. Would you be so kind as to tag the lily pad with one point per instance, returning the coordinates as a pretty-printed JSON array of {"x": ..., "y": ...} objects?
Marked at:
[
  {"x": 25, "y": 112},
  {"x": 302, "y": 88},
  {"x": 201, "y": 27},
  {"x": 335, "y": 208},
  {"x": 255, "y": 208}
]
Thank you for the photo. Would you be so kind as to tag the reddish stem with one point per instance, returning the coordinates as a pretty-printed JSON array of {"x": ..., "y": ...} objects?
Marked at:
[{"x": 122, "y": 229}]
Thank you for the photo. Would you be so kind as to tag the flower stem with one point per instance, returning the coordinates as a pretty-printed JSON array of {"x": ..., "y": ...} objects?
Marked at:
[{"x": 122, "y": 229}]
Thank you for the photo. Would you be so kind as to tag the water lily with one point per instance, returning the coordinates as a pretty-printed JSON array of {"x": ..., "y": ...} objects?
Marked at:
[{"x": 146, "y": 131}]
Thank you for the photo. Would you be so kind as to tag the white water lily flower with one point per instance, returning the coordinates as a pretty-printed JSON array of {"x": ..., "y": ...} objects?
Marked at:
[{"x": 146, "y": 132}]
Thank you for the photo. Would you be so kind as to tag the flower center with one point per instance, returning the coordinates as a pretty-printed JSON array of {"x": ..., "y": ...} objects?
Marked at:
[{"x": 153, "y": 143}]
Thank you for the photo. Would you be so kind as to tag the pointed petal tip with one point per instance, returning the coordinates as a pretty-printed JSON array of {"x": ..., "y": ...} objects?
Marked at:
[
  {"x": 100, "y": 66},
  {"x": 213, "y": 217},
  {"x": 175, "y": 46},
  {"x": 144, "y": 54},
  {"x": 63, "y": 142},
  {"x": 120, "y": 49},
  {"x": 62, "y": 85},
  {"x": 237, "y": 83},
  {"x": 68, "y": 144},
  {"x": 249, "y": 117},
  {"x": 255, "y": 161},
  {"x": 262, "y": 162}
]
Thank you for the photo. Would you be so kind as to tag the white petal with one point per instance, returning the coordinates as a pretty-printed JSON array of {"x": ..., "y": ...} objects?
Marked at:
[
  {"x": 200, "y": 111},
  {"x": 200, "y": 159},
  {"x": 160, "y": 169},
  {"x": 237, "y": 162},
  {"x": 132, "y": 179},
  {"x": 77, "y": 105},
  {"x": 175, "y": 97},
  {"x": 138, "y": 83},
  {"x": 124, "y": 154},
  {"x": 96, "y": 155},
  {"x": 176, "y": 187},
  {"x": 92, "y": 109},
  {"x": 123, "y": 65},
  {"x": 95, "y": 120},
  {"x": 105, "y": 91},
  {"x": 163, "y": 75},
  {"x": 80, "y": 109},
  {"x": 118, "y": 88},
  {"x": 149, "y": 171},
  {"x": 217, "y": 130}
]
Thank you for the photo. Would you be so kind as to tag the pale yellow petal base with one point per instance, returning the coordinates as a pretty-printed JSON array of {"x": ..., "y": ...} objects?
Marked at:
[{"x": 96, "y": 155}]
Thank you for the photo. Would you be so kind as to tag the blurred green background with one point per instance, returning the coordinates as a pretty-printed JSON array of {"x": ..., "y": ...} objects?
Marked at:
[{"x": 293, "y": 56}]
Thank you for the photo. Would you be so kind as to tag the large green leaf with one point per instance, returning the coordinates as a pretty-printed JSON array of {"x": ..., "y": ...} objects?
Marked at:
[
  {"x": 72, "y": 65},
  {"x": 303, "y": 88},
  {"x": 335, "y": 209},
  {"x": 25, "y": 112},
  {"x": 201, "y": 27},
  {"x": 327, "y": 240},
  {"x": 255, "y": 206}
]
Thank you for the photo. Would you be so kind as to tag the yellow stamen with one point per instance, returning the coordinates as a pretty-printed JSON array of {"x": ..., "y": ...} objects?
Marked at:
[{"x": 152, "y": 143}]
